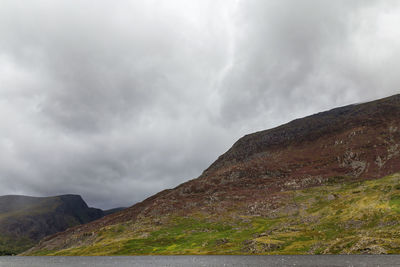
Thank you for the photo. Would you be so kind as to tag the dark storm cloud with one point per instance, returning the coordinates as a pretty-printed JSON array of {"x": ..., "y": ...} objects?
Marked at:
[{"x": 118, "y": 101}]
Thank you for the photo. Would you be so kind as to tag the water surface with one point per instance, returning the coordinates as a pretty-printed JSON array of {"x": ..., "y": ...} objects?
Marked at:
[{"x": 312, "y": 260}]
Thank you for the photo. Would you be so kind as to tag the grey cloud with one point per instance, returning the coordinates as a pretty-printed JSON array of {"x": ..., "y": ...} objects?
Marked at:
[
  {"x": 119, "y": 101},
  {"x": 297, "y": 56}
]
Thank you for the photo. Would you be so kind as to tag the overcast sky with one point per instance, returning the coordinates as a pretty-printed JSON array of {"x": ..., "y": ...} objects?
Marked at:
[{"x": 117, "y": 100}]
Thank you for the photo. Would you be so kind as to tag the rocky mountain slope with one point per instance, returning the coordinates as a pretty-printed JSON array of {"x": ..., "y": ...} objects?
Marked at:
[
  {"x": 258, "y": 180},
  {"x": 25, "y": 220}
]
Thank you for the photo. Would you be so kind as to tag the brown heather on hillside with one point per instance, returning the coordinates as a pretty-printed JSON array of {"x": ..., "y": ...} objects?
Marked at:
[{"x": 356, "y": 142}]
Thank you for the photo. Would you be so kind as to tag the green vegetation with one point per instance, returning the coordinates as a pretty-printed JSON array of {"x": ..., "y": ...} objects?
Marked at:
[
  {"x": 12, "y": 245},
  {"x": 357, "y": 217}
]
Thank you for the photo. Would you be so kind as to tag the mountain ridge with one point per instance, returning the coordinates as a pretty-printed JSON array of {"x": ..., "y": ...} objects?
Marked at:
[
  {"x": 325, "y": 118},
  {"x": 349, "y": 144}
]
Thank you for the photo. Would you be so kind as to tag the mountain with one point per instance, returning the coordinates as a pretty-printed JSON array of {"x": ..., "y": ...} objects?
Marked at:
[
  {"x": 114, "y": 210},
  {"x": 25, "y": 220},
  {"x": 309, "y": 186}
]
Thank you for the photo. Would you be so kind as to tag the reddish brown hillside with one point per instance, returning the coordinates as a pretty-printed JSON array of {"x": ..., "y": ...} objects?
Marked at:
[{"x": 349, "y": 143}]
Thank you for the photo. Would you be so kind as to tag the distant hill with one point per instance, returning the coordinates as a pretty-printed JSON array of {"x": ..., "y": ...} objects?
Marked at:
[
  {"x": 325, "y": 183},
  {"x": 111, "y": 211},
  {"x": 25, "y": 220}
]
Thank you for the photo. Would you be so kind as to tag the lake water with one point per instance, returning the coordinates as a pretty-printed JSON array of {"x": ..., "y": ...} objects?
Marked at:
[{"x": 318, "y": 260}]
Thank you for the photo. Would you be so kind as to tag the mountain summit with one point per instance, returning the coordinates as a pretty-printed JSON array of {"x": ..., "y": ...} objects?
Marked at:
[{"x": 263, "y": 185}]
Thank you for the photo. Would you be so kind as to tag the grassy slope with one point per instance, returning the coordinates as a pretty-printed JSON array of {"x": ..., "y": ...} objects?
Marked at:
[{"x": 362, "y": 217}]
